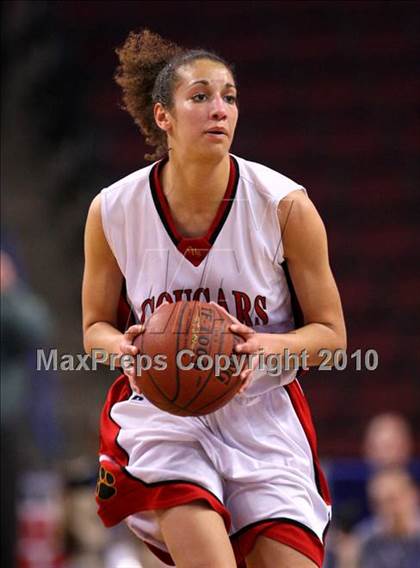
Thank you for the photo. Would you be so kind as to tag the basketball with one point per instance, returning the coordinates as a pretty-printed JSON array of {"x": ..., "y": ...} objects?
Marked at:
[{"x": 198, "y": 376}]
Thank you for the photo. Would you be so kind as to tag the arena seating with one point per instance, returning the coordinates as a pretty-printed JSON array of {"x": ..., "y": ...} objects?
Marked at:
[{"x": 328, "y": 95}]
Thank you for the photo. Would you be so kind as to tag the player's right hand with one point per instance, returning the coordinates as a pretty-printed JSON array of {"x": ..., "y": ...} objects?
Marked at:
[{"x": 127, "y": 348}]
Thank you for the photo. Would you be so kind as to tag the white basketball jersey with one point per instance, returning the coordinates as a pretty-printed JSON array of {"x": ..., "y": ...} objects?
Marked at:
[{"x": 238, "y": 263}]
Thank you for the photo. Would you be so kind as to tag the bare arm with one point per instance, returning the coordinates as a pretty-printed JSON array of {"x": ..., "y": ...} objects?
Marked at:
[
  {"x": 102, "y": 281},
  {"x": 306, "y": 253}
]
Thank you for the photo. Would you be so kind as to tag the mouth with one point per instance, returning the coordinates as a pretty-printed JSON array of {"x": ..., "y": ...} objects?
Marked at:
[{"x": 216, "y": 132}]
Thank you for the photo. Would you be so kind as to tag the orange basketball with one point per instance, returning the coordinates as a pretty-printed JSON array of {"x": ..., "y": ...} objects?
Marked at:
[{"x": 190, "y": 346}]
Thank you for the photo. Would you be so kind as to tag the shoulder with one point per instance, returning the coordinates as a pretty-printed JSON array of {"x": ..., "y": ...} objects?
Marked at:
[
  {"x": 301, "y": 226},
  {"x": 265, "y": 180},
  {"x": 296, "y": 205},
  {"x": 111, "y": 203},
  {"x": 131, "y": 183}
]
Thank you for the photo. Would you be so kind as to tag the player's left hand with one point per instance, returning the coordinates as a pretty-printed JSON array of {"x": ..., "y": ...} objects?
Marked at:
[{"x": 250, "y": 347}]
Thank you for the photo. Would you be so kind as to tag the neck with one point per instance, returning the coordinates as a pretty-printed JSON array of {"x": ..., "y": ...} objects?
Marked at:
[{"x": 195, "y": 184}]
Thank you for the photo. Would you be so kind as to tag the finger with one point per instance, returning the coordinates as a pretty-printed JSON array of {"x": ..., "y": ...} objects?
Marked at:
[
  {"x": 255, "y": 361},
  {"x": 128, "y": 348},
  {"x": 130, "y": 334},
  {"x": 161, "y": 305},
  {"x": 230, "y": 316},
  {"x": 130, "y": 374},
  {"x": 246, "y": 383},
  {"x": 134, "y": 330},
  {"x": 250, "y": 346},
  {"x": 134, "y": 387},
  {"x": 245, "y": 374},
  {"x": 242, "y": 329}
]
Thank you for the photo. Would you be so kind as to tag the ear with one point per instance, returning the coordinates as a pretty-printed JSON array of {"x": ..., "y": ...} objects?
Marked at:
[{"x": 162, "y": 117}]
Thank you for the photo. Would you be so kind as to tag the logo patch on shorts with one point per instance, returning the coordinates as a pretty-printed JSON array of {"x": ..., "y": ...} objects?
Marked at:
[{"x": 105, "y": 486}]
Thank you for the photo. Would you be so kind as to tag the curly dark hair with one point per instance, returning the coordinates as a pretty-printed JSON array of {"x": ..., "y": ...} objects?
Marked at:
[{"x": 147, "y": 74}]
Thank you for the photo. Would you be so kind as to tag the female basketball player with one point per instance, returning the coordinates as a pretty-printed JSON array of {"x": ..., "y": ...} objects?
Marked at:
[{"x": 242, "y": 484}]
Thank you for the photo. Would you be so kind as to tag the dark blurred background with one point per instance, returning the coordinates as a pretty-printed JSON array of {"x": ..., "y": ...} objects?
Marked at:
[{"x": 329, "y": 96}]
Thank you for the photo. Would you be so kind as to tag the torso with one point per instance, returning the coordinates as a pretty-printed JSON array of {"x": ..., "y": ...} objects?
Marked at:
[{"x": 237, "y": 263}]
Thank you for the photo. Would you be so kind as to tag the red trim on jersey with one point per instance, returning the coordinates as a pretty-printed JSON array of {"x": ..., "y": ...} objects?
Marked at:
[
  {"x": 194, "y": 249},
  {"x": 301, "y": 407}
]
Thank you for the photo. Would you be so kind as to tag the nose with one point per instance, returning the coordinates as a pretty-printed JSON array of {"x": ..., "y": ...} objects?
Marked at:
[{"x": 218, "y": 108}]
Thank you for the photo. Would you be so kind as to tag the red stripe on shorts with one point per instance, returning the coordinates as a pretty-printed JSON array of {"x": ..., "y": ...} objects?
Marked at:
[
  {"x": 303, "y": 413},
  {"x": 120, "y": 494},
  {"x": 282, "y": 531},
  {"x": 109, "y": 429},
  {"x": 286, "y": 532},
  {"x": 127, "y": 495}
]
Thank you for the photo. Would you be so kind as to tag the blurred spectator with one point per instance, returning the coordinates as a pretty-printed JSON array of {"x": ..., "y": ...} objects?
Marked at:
[
  {"x": 391, "y": 538},
  {"x": 24, "y": 323},
  {"x": 388, "y": 441},
  {"x": 85, "y": 538},
  {"x": 88, "y": 543}
]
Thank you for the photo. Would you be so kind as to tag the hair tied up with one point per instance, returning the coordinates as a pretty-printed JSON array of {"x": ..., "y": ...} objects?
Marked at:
[
  {"x": 141, "y": 58},
  {"x": 147, "y": 73}
]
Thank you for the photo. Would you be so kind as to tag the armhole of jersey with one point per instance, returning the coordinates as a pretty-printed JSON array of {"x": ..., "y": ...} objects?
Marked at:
[
  {"x": 125, "y": 312},
  {"x": 105, "y": 224},
  {"x": 106, "y": 228},
  {"x": 279, "y": 257},
  {"x": 104, "y": 218},
  {"x": 126, "y": 315}
]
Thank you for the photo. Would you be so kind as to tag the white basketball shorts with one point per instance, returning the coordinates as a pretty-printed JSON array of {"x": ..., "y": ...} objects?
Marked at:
[{"x": 254, "y": 461}]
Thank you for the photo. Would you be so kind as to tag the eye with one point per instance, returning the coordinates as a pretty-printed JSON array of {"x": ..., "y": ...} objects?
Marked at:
[
  {"x": 199, "y": 97},
  {"x": 231, "y": 99}
]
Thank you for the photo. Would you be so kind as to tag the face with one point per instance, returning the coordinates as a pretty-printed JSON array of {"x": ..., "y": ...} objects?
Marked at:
[
  {"x": 203, "y": 119},
  {"x": 388, "y": 441},
  {"x": 393, "y": 496}
]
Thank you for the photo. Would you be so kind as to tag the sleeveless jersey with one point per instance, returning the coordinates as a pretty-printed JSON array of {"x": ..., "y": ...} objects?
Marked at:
[{"x": 238, "y": 263}]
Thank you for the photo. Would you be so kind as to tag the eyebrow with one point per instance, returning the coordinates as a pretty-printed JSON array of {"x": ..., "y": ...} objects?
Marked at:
[{"x": 205, "y": 82}]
